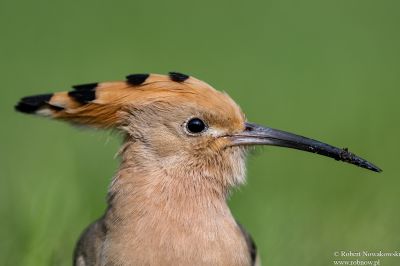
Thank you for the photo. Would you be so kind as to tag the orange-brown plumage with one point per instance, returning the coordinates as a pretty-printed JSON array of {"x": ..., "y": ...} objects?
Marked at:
[
  {"x": 184, "y": 149},
  {"x": 167, "y": 203}
]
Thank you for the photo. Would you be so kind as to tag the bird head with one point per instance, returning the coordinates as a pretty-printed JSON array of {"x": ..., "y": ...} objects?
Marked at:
[{"x": 175, "y": 123}]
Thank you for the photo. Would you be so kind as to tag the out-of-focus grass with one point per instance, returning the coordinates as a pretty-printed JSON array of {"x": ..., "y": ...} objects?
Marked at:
[{"x": 324, "y": 69}]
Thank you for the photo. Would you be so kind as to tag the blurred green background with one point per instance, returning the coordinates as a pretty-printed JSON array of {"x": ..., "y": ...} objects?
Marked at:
[{"x": 324, "y": 69}]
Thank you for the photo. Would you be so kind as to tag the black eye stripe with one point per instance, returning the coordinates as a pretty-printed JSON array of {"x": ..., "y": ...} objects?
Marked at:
[{"x": 195, "y": 125}]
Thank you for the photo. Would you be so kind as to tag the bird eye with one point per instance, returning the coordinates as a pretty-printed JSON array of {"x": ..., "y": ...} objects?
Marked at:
[{"x": 195, "y": 125}]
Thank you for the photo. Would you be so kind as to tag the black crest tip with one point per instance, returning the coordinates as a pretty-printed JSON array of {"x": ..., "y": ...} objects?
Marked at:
[
  {"x": 178, "y": 77},
  {"x": 136, "y": 79},
  {"x": 83, "y": 96},
  {"x": 25, "y": 108},
  {"x": 31, "y": 104}
]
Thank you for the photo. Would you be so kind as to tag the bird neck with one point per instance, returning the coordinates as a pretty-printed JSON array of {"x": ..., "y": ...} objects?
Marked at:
[
  {"x": 144, "y": 183},
  {"x": 156, "y": 214}
]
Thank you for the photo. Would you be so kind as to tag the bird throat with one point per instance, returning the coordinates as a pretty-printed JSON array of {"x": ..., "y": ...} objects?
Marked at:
[{"x": 155, "y": 218}]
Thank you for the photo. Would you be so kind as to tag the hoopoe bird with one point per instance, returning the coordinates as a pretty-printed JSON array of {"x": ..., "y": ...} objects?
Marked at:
[{"x": 184, "y": 149}]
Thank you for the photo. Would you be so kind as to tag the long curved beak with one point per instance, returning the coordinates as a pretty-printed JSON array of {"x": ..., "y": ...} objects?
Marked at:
[{"x": 258, "y": 135}]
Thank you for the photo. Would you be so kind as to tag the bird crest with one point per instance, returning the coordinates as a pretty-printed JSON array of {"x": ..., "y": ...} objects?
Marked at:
[{"x": 108, "y": 104}]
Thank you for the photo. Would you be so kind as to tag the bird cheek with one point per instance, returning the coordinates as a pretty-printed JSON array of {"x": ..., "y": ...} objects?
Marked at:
[
  {"x": 214, "y": 146},
  {"x": 221, "y": 143}
]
